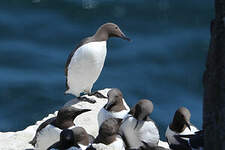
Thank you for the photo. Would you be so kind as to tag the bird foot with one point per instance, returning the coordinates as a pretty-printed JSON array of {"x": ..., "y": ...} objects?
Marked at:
[
  {"x": 97, "y": 94},
  {"x": 85, "y": 99}
]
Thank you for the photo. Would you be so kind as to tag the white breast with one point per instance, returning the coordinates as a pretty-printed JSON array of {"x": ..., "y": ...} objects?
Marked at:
[
  {"x": 101, "y": 146},
  {"x": 104, "y": 114},
  {"x": 170, "y": 134},
  {"x": 118, "y": 144},
  {"x": 163, "y": 144},
  {"x": 82, "y": 147},
  {"x": 85, "y": 67},
  {"x": 145, "y": 131}
]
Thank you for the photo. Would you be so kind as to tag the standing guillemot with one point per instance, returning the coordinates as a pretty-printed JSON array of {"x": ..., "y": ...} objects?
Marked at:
[
  {"x": 116, "y": 107},
  {"x": 49, "y": 131},
  {"x": 81, "y": 137},
  {"x": 85, "y": 63},
  {"x": 74, "y": 139},
  {"x": 195, "y": 141},
  {"x": 181, "y": 125},
  {"x": 138, "y": 130},
  {"x": 108, "y": 135}
]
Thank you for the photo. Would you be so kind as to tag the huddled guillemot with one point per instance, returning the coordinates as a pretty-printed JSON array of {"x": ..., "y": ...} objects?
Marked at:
[
  {"x": 85, "y": 63},
  {"x": 181, "y": 125},
  {"x": 195, "y": 141},
  {"x": 82, "y": 140},
  {"x": 138, "y": 130},
  {"x": 49, "y": 131},
  {"x": 116, "y": 107},
  {"x": 66, "y": 141},
  {"x": 74, "y": 139},
  {"x": 108, "y": 135}
]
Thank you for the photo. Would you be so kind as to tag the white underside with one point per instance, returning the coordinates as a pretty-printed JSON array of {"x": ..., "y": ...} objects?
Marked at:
[
  {"x": 145, "y": 131},
  {"x": 116, "y": 145},
  {"x": 48, "y": 136},
  {"x": 170, "y": 134},
  {"x": 101, "y": 146},
  {"x": 104, "y": 114},
  {"x": 85, "y": 67},
  {"x": 82, "y": 147},
  {"x": 163, "y": 144}
]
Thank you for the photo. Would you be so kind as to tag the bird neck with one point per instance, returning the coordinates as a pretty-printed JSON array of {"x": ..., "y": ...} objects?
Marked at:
[
  {"x": 101, "y": 35},
  {"x": 105, "y": 139},
  {"x": 117, "y": 107},
  {"x": 177, "y": 126}
]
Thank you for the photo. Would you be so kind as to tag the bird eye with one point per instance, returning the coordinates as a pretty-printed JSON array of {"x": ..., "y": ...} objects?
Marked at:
[{"x": 116, "y": 27}]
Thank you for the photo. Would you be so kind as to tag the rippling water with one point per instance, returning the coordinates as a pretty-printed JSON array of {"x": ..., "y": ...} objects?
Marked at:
[{"x": 164, "y": 61}]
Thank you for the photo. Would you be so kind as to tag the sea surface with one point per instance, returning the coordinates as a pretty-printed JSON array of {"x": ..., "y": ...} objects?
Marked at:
[{"x": 164, "y": 61}]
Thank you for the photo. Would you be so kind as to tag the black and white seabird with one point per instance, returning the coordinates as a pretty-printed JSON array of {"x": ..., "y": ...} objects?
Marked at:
[
  {"x": 74, "y": 139},
  {"x": 85, "y": 63},
  {"x": 49, "y": 131},
  {"x": 138, "y": 130},
  {"x": 116, "y": 107},
  {"x": 195, "y": 141},
  {"x": 180, "y": 126},
  {"x": 81, "y": 137},
  {"x": 108, "y": 135},
  {"x": 66, "y": 141}
]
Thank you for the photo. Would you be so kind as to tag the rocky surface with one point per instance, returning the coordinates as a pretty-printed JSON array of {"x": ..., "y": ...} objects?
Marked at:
[{"x": 20, "y": 140}]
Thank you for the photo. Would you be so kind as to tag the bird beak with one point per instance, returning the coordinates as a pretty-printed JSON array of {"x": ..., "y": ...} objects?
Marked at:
[
  {"x": 124, "y": 37},
  {"x": 188, "y": 125},
  {"x": 84, "y": 110},
  {"x": 109, "y": 104}
]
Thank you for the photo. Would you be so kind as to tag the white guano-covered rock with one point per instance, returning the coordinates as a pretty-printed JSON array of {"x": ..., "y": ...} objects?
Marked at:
[
  {"x": 20, "y": 140},
  {"x": 89, "y": 121}
]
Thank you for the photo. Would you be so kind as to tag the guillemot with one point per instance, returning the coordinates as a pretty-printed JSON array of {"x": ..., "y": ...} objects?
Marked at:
[
  {"x": 116, "y": 107},
  {"x": 74, "y": 139},
  {"x": 195, "y": 141},
  {"x": 85, "y": 63},
  {"x": 137, "y": 129},
  {"x": 49, "y": 131},
  {"x": 108, "y": 135},
  {"x": 180, "y": 125},
  {"x": 66, "y": 141}
]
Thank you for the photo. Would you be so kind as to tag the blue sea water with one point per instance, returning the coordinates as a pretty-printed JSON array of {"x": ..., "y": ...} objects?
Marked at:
[{"x": 164, "y": 61}]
